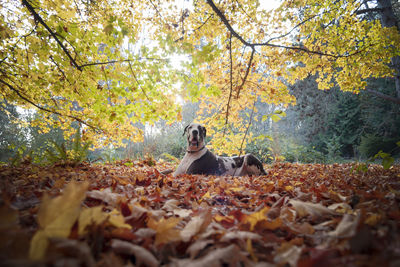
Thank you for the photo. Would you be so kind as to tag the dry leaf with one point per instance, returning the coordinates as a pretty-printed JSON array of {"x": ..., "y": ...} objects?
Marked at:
[
  {"x": 165, "y": 230},
  {"x": 142, "y": 255},
  {"x": 196, "y": 225},
  {"x": 56, "y": 217},
  {"x": 288, "y": 253},
  {"x": 106, "y": 195},
  {"x": 308, "y": 208},
  {"x": 347, "y": 226}
]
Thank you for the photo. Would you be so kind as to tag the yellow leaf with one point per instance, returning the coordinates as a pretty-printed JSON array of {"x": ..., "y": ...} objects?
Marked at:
[
  {"x": 165, "y": 230},
  {"x": 255, "y": 217},
  {"x": 206, "y": 195},
  {"x": 116, "y": 219},
  {"x": 90, "y": 216},
  {"x": 57, "y": 216},
  {"x": 289, "y": 188},
  {"x": 236, "y": 189},
  {"x": 39, "y": 244},
  {"x": 271, "y": 224},
  {"x": 249, "y": 248},
  {"x": 373, "y": 219}
]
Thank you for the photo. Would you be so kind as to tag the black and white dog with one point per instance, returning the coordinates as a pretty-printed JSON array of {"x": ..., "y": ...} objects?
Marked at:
[{"x": 199, "y": 160}]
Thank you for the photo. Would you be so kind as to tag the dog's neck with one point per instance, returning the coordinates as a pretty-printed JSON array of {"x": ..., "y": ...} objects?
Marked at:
[{"x": 194, "y": 151}]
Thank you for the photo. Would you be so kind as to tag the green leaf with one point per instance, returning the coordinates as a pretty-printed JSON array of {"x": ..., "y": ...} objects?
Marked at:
[
  {"x": 387, "y": 162},
  {"x": 108, "y": 29},
  {"x": 275, "y": 117}
]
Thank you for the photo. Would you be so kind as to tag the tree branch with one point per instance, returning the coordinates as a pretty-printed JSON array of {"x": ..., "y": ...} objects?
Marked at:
[
  {"x": 247, "y": 72},
  {"x": 231, "y": 83},
  {"x": 384, "y": 96},
  {"x": 48, "y": 110},
  {"x": 38, "y": 18},
  {"x": 368, "y": 10},
  {"x": 120, "y": 61},
  {"x": 253, "y": 45}
]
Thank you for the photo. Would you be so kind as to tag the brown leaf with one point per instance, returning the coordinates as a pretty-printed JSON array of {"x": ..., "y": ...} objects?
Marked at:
[
  {"x": 288, "y": 253},
  {"x": 196, "y": 225},
  {"x": 347, "y": 226},
  {"x": 142, "y": 255},
  {"x": 230, "y": 255},
  {"x": 308, "y": 208}
]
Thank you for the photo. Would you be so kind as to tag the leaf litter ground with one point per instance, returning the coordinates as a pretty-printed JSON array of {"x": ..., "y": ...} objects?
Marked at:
[{"x": 129, "y": 214}]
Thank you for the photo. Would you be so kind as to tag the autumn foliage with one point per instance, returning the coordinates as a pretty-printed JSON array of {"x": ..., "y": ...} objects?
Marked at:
[{"x": 109, "y": 215}]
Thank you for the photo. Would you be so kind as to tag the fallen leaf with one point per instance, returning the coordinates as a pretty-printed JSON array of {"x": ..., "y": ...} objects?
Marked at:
[
  {"x": 347, "y": 226},
  {"x": 106, "y": 195},
  {"x": 230, "y": 255},
  {"x": 90, "y": 216},
  {"x": 242, "y": 235},
  {"x": 165, "y": 230},
  {"x": 255, "y": 217},
  {"x": 307, "y": 208},
  {"x": 197, "y": 246},
  {"x": 195, "y": 225},
  {"x": 288, "y": 253},
  {"x": 56, "y": 217},
  {"x": 142, "y": 255}
]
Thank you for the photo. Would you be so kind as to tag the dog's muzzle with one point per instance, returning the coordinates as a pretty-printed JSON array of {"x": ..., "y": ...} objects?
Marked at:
[{"x": 194, "y": 138}]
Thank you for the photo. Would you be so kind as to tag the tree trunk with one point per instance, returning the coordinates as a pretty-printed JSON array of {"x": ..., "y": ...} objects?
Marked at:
[{"x": 389, "y": 20}]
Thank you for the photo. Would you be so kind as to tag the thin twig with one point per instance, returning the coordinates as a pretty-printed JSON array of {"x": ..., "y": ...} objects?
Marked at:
[
  {"x": 247, "y": 72},
  {"x": 121, "y": 61},
  {"x": 231, "y": 84},
  {"x": 245, "y": 133}
]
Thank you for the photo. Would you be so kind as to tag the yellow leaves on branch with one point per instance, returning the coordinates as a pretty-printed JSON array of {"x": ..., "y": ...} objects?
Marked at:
[{"x": 117, "y": 87}]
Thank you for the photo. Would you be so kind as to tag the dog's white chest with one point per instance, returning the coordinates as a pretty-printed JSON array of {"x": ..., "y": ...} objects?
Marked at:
[{"x": 187, "y": 160}]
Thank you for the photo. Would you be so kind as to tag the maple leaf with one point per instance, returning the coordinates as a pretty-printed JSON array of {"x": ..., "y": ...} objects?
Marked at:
[
  {"x": 56, "y": 217},
  {"x": 165, "y": 230},
  {"x": 256, "y": 217}
]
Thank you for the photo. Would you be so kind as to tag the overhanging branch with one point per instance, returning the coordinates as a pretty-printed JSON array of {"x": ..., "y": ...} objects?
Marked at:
[
  {"x": 384, "y": 96},
  {"x": 40, "y": 20},
  {"x": 48, "y": 110},
  {"x": 253, "y": 45}
]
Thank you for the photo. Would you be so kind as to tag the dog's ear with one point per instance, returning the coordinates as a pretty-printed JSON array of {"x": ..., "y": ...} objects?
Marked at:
[
  {"x": 184, "y": 131},
  {"x": 204, "y": 131}
]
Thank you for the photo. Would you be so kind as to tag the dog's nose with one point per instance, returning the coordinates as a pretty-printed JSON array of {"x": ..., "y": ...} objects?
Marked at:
[{"x": 195, "y": 132}]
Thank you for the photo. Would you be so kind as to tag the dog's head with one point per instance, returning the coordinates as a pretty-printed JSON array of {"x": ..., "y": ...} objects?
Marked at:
[{"x": 196, "y": 135}]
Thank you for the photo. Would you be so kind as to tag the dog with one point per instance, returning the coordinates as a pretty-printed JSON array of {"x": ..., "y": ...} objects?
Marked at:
[{"x": 199, "y": 160}]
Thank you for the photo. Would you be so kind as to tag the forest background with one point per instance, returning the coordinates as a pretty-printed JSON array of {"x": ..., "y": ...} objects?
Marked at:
[{"x": 317, "y": 86}]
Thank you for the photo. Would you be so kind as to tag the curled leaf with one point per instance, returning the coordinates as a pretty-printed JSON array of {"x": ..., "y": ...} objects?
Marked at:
[{"x": 142, "y": 255}]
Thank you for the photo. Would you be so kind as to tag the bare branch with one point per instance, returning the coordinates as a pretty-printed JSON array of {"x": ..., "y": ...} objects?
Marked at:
[
  {"x": 368, "y": 10},
  {"x": 384, "y": 96},
  {"x": 231, "y": 84},
  {"x": 247, "y": 72}
]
